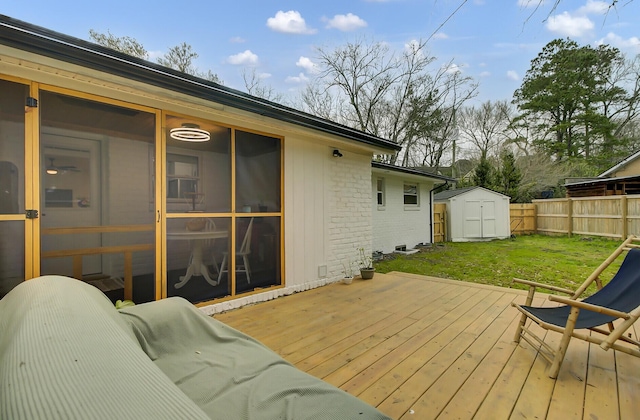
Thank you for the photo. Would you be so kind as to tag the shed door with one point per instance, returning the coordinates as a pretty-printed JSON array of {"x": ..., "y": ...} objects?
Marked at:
[{"x": 479, "y": 219}]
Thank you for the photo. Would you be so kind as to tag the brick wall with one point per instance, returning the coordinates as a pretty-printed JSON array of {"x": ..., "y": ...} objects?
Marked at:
[{"x": 349, "y": 211}]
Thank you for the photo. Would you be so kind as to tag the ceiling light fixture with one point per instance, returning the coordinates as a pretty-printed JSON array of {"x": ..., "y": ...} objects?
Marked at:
[
  {"x": 190, "y": 132},
  {"x": 52, "y": 169}
]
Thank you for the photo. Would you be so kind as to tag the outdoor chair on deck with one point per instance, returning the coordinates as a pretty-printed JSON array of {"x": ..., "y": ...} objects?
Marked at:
[
  {"x": 242, "y": 256},
  {"x": 616, "y": 305}
]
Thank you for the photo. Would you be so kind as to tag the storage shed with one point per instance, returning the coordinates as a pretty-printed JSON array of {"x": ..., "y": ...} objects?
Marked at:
[{"x": 475, "y": 214}]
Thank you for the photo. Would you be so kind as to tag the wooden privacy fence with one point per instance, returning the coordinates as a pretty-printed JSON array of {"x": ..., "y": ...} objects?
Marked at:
[
  {"x": 613, "y": 216},
  {"x": 439, "y": 222},
  {"x": 523, "y": 219}
]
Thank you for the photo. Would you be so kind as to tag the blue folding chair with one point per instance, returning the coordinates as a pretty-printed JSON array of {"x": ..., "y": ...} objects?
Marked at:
[{"x": 618, "y": 301}]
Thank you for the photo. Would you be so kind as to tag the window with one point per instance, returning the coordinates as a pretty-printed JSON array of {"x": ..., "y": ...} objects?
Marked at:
[
  {"x": 380, "y": 191},
  {"x": 182, "y": 176},
  {"x": 411, "y": 194}
]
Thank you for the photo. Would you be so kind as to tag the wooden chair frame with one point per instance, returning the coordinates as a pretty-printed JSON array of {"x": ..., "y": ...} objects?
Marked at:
[{"x": 612, "y": 337}]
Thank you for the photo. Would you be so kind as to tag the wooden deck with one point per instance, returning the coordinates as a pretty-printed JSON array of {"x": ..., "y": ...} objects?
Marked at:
[{"x": 420, "y": 347}]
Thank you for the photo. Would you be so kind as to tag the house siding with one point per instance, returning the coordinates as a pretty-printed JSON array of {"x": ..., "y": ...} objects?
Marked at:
[
  {"x": 327, "y": 217},
  {"x": 397, "y": 224},
  {"x": 327, "y": 200},
  {"x": 631, "y": 169}
]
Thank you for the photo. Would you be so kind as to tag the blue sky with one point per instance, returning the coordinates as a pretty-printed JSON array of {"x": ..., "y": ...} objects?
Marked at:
[{"x": 492, "y": 41}]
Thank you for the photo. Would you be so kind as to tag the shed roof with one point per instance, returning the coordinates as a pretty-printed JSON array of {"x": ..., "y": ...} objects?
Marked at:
[
  {"x": 35, "y": 39},
  {"x": 445, "y": 195}
]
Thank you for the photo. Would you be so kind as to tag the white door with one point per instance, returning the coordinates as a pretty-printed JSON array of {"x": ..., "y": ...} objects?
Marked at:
[
  {"x": 479, "y": 219},
  {"x": 472, "y": 219}
]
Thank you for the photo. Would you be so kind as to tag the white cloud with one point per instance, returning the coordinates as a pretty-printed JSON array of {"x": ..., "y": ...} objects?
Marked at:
[
  {"x": 453, "y": 68},
  {"x": 594, "y": 8},
  {"x": 243, "y": 58},
  {"x": 301, "y": 78},
  {"x": 530, "y": 3},
  {"x": 290, "y": 22},
  {"x": 512, "y": 75},
  {"x": 237, "y": 40},
  {"x": 307, "y": 64},
  {"x": 348, "y": 22},
  {"x": 485, "y": 74},
  {"x": 153, "y": 55},
  {"x": 568, "y": 25},
  {"x": 412, "y": 47},
  {"x": 617, "y": 41},
  {"x": 440, "y": 35}
]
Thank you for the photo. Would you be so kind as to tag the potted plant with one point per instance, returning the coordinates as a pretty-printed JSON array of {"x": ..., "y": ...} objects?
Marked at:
[
  {"x": 347, "y": 271},
  {"x": 366, "y": 265}
]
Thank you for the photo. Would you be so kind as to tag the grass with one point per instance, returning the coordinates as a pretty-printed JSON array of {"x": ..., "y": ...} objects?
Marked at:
[{"x": 560, "y": 261}]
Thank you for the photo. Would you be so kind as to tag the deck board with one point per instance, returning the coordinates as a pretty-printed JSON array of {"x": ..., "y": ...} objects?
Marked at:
[{"x": 422, "y": 347}]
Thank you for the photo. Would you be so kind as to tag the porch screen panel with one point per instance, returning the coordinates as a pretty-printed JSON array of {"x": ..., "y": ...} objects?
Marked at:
[
  {"x": 258, "y": 192},
  {"x": 12, "y": 182},
  {"x": 97, "y": 194}
]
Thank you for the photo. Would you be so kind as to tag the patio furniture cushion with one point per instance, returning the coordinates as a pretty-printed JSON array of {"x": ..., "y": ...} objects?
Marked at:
[
  {"x": 228, "y": 374},
  {"x": 66, "y": 353}
]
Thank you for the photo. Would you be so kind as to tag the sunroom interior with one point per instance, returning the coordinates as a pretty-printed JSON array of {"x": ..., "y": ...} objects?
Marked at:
[{"x": 131, "y": 208}]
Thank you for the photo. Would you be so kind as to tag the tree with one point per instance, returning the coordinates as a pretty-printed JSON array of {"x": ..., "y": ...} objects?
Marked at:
[
  {"x": 483, "y": 175},
  {"x": 178, "y": 58},
  {"x": 509, "y": 176},
  {"x": 392, "y": 95},
  {"x": 123, "y": 44},
  {"x": 255, "y": 86},
  {"x": 486, "y": 126},
  {"x": 567, "y": 100}
]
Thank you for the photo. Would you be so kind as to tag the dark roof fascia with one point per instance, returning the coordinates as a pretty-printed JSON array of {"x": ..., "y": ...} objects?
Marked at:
[
  {"x": 410, "y": 171},
  {"x": 35, "y": 39}
]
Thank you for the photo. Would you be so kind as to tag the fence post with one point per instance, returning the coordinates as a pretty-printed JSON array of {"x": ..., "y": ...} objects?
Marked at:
[
  {"x": 569, "y": 216},
  {"x": 625, "y": 212}
]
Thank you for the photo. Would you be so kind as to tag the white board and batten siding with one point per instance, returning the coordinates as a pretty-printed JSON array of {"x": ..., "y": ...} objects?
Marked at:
[
  {"x": 327, "y": 217},
  {"x": 475, "y": 214}
]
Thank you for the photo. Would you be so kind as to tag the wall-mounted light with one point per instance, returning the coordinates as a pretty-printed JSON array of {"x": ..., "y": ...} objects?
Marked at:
[
  {"x": 190, "y": 132},
  {"x": 336, "y": 153}
]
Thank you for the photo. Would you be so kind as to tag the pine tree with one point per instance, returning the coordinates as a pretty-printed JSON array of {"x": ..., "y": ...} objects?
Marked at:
[
  {"x": 509, "y": 176},
  {"x": 484, "y": 174}
]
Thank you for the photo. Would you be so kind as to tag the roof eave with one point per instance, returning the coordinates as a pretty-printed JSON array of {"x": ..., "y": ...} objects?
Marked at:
[
  {"x": 409, "y": 171},
  {"x": 21, "y": 35}
]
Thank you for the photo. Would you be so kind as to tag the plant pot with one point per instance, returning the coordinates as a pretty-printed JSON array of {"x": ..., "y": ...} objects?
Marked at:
[
  {"x": 347, "y": 280},
  {"x": 367, "y": 273}
]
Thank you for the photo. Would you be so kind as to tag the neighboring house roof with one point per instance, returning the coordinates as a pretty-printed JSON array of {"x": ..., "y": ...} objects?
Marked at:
[
  {"x": 605, "y": 186},
  {"x": 35, "y": 39},
  {"x": 411, "y": 171},
  {"x": 620, "y": 164},
  {"x": 445, "y": 195}
]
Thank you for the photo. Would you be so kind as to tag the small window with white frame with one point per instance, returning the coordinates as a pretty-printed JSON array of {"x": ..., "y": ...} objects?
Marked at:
[
  {"x": 380, "y": 196},
  {"x": 183, "y": 176},
  {"x": 411, "y": 197}
]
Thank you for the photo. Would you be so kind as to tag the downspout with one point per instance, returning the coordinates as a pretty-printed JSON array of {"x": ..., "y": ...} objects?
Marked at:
[{"x": 431, "y": 208}]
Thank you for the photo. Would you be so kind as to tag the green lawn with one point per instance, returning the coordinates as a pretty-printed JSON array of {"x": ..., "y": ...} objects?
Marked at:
[{"x": 561, "y": 261}]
